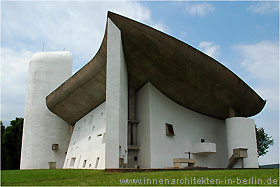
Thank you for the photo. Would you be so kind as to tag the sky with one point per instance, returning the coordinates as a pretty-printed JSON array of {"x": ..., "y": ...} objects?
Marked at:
[{"x": 244, "y": 36}]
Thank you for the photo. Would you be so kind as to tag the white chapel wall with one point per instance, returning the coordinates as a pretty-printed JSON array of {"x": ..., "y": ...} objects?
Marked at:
[{"x": 88, "y": 141}]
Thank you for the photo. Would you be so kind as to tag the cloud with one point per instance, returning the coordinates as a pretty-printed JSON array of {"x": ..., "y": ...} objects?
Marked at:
[
  {"x": 260, "y": 61},
  {"x": 161, "y": 27},
  {"x": 263, "y": 7},
  {"x": 76, "y": 26},
  {"x": 209, "y": 48},
  {"x": 14, "y": 67},
  {"x": 199, "y": 9}
]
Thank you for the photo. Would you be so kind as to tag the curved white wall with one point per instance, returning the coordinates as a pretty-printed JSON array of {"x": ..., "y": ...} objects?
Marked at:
[
  {"x": 42, "y": 128},
  {"x": 241, "y": 134},
  {"x": 88, "y": 141},
  {"x": 153, "y": 110}
]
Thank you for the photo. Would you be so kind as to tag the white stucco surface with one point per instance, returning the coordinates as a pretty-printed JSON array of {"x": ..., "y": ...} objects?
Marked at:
[
  {"x": 204, "y": 148},
  {"x": 241, "y": 134},
  {"x": 116, "y": 99},
  {"x": 88, "y": 141},
  {"x": 157, "y": 150},
  {"x": 42, "y": 128},
  {"x": 143, "y": 128}
]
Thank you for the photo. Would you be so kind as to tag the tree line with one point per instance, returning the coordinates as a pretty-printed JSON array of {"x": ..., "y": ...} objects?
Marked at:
[{"x": 11, "y": 144}]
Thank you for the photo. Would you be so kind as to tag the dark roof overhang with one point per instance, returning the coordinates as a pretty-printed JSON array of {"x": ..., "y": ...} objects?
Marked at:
[{"x": 181, "y": 72}]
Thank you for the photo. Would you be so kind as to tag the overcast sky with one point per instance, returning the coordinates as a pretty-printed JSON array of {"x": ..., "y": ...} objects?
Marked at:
[{"x": 243, "y": 36}]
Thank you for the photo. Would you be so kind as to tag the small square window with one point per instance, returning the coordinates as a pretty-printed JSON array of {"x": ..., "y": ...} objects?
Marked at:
[
  {"x": 169, "y": 130},
  {"x": 202, "y": 140},
  {"x": 84, "y": 164},
  {"x": 54, "y": 147},
  {"x": 72, "y": 162}
]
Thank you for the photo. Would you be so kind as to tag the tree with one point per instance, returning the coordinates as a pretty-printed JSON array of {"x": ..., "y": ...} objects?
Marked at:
[
  {"x": 11, "y": 144},
  {"x": 3, "y": 150},
  {"x": 263, "y": 141}
]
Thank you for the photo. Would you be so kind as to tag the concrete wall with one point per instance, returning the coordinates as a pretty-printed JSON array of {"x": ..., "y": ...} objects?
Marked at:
[
  {"x": 42, "y": 128},
  {"x": 143, "y": 128},
  {"x": 116, "y": 99},
  {"x": 158, "y": 150},
  {"x": 88, "y": 141},
  {"x": 241, "y": 134}
]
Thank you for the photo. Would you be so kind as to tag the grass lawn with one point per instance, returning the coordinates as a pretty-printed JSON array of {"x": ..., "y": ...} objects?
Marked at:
[{"x": 60, "y": 177}]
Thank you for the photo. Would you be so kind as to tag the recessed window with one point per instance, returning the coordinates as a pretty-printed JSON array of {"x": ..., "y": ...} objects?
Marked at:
[
  {"x": 89, "y": 138},
  {"x": 89, "y": 165},
  {"x": 169, "y": 130},
  {"x": 135, "y": 158},
  {"x": 84, "y": 164},
  {"x": 97, "y": 161},
  {"x": 72, "y": 162},
  {"x": 103, "y": 139},
  {"x": 202, "y": 140},
  {"x": 54, "y": 147}
]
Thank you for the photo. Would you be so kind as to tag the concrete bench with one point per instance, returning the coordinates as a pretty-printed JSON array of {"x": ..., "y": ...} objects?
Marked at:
[{"x": 177, "y": 162}]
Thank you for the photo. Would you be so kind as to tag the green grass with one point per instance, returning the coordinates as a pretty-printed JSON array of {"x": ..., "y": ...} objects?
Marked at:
[{"x": 73, "y": 177}]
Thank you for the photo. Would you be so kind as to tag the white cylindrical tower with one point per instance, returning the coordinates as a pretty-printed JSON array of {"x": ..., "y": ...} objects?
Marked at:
[
  {"x": 45, "y": 136},
  {"x": 241, "y": 133}
]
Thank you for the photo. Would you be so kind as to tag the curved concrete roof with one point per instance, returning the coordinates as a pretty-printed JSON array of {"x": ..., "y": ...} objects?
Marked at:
[{"x": 181, "y": 72}]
